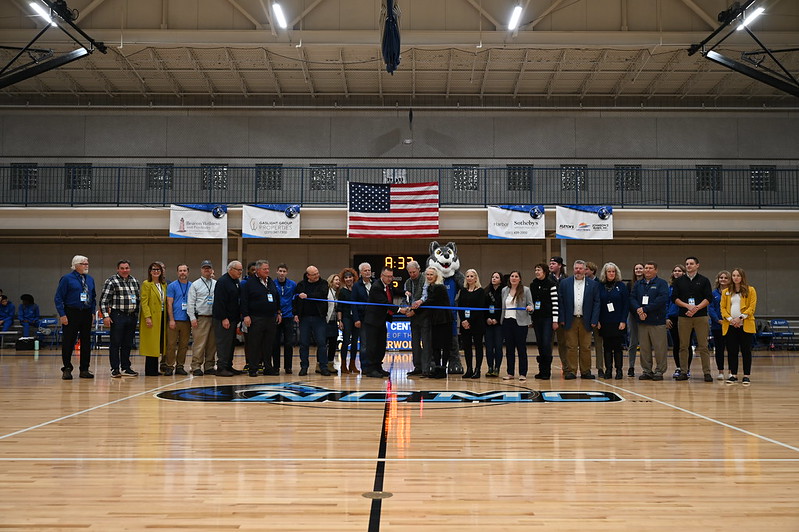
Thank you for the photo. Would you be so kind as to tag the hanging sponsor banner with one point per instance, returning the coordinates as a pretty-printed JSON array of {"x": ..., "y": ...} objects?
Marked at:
[
  {"x": 585, "y": 222},
  {"x": 276, "y": 220},
  {"x": 516, "y": 221},
  {"x": 198, "y": 220}
]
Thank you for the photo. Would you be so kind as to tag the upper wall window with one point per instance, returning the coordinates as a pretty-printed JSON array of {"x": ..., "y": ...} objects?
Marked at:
[
  {"x": 465, "y": 176},
  {"x": 520, "y": 177},
  {"x": 323, "y": 176},
  {"x": 573, "y": 176},
  {"x": 24, "y": 176},
  {"x": 77, "y": 176},
  {"x": 159, "y": 176},
  {"x": 269, "y": 176},
  {"x": 763, "y": 178},
  {"x": 214, "y": 176},
  {"x": 627, "y": 177},
  {"x": 708, "y": 178}
]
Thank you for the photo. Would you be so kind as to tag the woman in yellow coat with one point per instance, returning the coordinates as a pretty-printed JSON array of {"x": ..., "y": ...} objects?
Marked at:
[
  {"x": 738, "y": 303},
  {"x": 151, "y": 319}
]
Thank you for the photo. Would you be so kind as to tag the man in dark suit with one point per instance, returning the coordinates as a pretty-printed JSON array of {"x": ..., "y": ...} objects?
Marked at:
[
  {"x": 375, "y": 322},
  {"x": 578, "y": 299}
]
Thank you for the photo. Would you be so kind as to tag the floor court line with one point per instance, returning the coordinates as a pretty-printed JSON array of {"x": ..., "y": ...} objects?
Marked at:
[
  {"x": 75, "y": 414},
  {"x": 399, "y": 460}
]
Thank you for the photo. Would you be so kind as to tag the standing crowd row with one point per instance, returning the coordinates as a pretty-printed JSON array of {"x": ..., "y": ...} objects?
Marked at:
[{"x": 445, "y": 315}]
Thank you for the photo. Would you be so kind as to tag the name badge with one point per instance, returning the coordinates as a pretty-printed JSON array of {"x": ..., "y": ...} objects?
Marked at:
[
  {"x": 691, "y": 301},
  {"x": 645, "y": 300},
  {"x": 270, "y": 298},
  {"x": 610, "y": 307},
  {"x": 491, "y": 308},
  {"x": 537, "y": 305},
  {"x": 84, "y": 297},
  {"x": 184, "y": 306},
  {"x": 467, "y": 313},
  {"x": 209, "y": 300},
  {"x": 133, "y": 298}
]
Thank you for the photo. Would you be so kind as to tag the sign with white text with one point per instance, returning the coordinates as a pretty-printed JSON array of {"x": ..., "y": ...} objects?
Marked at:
[
  {"x": 277, "y": 220},
  {"x": 584, "y": 222},
  {"x": 516, "y": 221},
  {"x": 198, "y": 220}
]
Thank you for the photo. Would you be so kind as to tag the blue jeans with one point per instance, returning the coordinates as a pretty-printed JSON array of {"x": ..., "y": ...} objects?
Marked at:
[
  {"x": 123, "y": 331},
  {"x": 493, "y": 341},
  {"x": 316, "y": 326}
]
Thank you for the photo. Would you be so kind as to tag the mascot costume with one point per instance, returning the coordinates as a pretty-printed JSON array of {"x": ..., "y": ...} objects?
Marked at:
[{"x": 445, "y": 259}]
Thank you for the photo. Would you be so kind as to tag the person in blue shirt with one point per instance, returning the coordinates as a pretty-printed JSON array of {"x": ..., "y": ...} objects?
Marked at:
[
  {"x": 28, "y": 315},
  {"x": 284, "y": 335},
  {"x": 649, "y": 301},
  {"x": 614, "y": 300},
  {"x": 179, "y": 329},
  {"x": 75, "y": 302},
  {"x": 6, "y": 313}
]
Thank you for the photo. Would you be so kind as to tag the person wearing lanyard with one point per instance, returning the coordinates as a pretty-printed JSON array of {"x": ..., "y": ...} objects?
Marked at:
[
  {"x": 75, "y": 301},
  {"x": 200, "y": 310},
  {"x": 177, "y": 334},
  {"x": 151, "y": 329},
  {"x": 119, "y": 303},
  {"x": 284, "y": 335}
]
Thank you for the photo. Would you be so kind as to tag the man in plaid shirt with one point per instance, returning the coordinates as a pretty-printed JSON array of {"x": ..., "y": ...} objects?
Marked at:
[{"x": 119, "y": 303}]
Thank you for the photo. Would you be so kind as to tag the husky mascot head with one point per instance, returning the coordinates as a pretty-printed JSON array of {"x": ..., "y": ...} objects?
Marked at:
[{"x": 445, "y": 259}]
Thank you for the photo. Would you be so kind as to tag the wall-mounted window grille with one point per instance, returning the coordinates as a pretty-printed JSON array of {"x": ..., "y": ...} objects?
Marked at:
[
  {"x": 269, "y": 176},
  {"x": 628, "y": 177},
  {"x": 159, "y": 176},
  {"x": 708, "y": 178},
  {"x": 214, "y": 176},
  {"x": 24, "y": 176},
  {"x": 573, "y": 177},
  {"x": 323, "y": 176},
  {"x": 520, "y": 177},
  {"x": 465, "y": 176},
  {"x": 763, "y": 178},
  {"x": 395, "y": 176},
  {"x": 77, "y": 176}
]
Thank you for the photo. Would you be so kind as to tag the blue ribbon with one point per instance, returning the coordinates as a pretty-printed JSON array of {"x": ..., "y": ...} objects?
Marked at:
[{"x": 392, "y": 305}]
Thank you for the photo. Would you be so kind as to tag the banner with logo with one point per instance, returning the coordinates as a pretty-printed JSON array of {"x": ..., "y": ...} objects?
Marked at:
[
  {"x": 198, "y": 220},
  {"x": 584, "y": 222},
  {"x": 516, "y": 221},
  {"x": 276, "y": 220}
]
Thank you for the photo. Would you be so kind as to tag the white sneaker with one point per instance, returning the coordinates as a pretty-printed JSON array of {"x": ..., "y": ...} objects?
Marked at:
[
  {"x": 507, "y": 378},
  {"x": 720, "y": 377}
]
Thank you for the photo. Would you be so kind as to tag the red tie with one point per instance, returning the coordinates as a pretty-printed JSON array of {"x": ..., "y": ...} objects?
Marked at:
[{"x": 390, "y": 299}]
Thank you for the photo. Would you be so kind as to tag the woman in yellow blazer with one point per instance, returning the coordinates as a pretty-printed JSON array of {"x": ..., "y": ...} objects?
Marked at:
[
  {"x": 738, "y": 302},
  {"x": 151, "y": 319}
]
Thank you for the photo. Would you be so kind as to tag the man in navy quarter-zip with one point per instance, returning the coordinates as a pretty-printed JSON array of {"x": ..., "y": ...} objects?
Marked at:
[{"x": 649, "y": 301}]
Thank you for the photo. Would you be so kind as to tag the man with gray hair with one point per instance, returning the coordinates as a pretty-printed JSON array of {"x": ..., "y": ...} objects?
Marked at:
[
  {"x": 360, "y": 293},
  {"x": 416, "y": 294},
  {"x": 75, "y": 301},
  {"x": 260, "y": 306},
  {"x": 578, "y": 304},
  {"x": 227, "y": 313}
]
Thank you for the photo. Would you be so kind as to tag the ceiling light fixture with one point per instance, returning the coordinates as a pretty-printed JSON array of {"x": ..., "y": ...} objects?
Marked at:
[
  {"x": 36, "y": 6},
  {"x": 514, "y": 18},
  {"x": 748, "y": 20},
  {"x": 281, "y": 18}
]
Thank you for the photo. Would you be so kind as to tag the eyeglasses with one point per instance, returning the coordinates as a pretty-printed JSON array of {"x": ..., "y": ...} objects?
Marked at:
[
  {"x": 238, "y": 269},
  {"x": 156, "y": 270},
  {"x": 83, "y": 263}
]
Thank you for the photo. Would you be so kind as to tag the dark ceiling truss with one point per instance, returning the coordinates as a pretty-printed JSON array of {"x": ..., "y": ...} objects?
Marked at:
[
  {"x": 780, "y": 77},
  {"x": 41, "y": 61}
]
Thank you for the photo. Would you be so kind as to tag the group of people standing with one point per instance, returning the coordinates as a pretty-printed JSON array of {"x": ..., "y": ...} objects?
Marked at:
[{"x": 578, "y": 310}]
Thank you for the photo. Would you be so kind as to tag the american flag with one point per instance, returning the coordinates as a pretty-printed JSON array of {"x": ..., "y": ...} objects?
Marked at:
[{"x": 392, "y": 211}]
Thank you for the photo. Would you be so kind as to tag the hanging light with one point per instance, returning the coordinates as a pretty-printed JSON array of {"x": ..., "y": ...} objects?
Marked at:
[
  {"x": 281, "y": 18},
  {"x": 514, "y": 18},
  {"x": 36, "y": 6},
  {"x": 748, "y": 20}
]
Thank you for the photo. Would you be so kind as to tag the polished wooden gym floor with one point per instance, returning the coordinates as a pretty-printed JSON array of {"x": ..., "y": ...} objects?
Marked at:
[{"x": 108, "y": 455}]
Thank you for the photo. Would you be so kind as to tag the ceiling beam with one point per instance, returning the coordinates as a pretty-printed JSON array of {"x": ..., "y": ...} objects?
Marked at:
[
  {"x": 86, "y": 11},
  {"x": 544, "y": 15},
  {"x": 521, "y": 73},
  {"x": 710, "y": 21},
  {"x": 128, "y": 67},
  {"x": 630, "y": 69},
  {"x": 110, "y": 89},
  {"x": 166, "y": 73},
  {"x": 234, "y": 67},
  {"x": 667, "y": 69},
  {"x": 198, "y": 67},
  {"x": 484, "y": 13},
  {"x": 554, "y": 76},
  {"x": 268, "y": 14},
  {"x": 485, "y": 74},
  {"x": 271, "y": 70},
  {"x": 449, "y": 73},
  {"x": 587, "y": 81},
  {"x": 305, "y": 12},
  {"x": 306, "y": 72},
  {"x": 240, "y": 9},
  {"x": 343, "y": 73}
]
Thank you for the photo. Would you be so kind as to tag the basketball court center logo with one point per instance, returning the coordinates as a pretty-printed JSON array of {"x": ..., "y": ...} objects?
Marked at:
[{"x": 299, "y": 393}]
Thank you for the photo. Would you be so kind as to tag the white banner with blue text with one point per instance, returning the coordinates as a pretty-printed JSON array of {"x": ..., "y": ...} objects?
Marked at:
[
  {"x": 198, "y": 220},
  {"x": 584, "y": 222},
  {"x": 516, "y": 221},
  {"x": 274, "y": 220}
]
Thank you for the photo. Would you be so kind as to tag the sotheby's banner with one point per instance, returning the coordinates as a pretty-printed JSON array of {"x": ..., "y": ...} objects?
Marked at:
[
  {"x": 516, "y": 221},
  {"x": 584, "y": 222},
  {"x": 276, "y": 220},
  {"x": 198, "y": 220}
]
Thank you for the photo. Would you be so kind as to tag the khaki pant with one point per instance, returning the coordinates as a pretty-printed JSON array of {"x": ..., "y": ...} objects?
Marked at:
[
  {"x": 701, "y": 325},
  {"x": 578, "y": 342},
  {"x": 203, "y": 350},
  {"x": 653, "y": 340},
  {"x": 177, "y": 343}
]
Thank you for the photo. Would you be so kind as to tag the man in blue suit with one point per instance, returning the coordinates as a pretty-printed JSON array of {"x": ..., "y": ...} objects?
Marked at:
[{"x": 578, "y": 298}]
